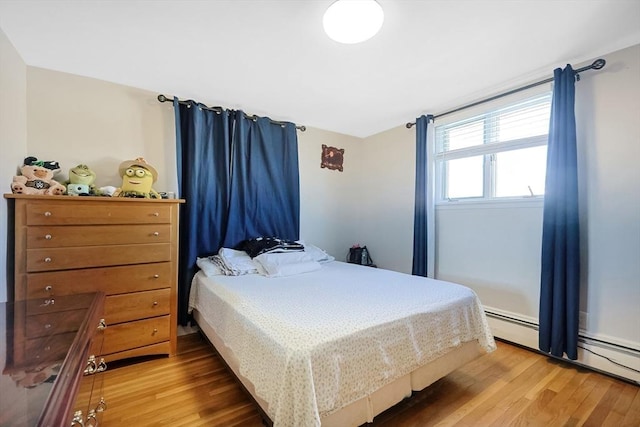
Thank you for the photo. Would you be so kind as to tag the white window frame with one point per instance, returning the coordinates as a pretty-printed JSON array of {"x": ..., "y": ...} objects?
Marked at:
[{"x": 488, "y": 149}]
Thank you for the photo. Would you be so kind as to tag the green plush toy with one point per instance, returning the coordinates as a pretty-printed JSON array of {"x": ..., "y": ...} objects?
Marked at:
[{"x": 81, "y": 181}]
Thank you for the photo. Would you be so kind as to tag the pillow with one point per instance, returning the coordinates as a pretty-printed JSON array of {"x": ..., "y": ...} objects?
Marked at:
[
  {"x": 208, "y": 267},
  {"x": 286, "y": 264},
  {"x": 263, "y": 245},
  {"x": 317, "y": 254},
  {"x": 235, "y": 263}
]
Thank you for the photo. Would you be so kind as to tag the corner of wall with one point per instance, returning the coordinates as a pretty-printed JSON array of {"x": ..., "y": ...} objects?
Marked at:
[{"x": 13, "y": 136}]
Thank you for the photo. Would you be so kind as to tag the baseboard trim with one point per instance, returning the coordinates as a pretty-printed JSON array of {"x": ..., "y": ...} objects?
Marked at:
[{"x": 600, "y": 354}]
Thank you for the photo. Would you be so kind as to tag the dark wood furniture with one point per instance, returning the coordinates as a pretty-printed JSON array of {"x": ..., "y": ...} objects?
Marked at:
[{"x": 46, "y": 344}]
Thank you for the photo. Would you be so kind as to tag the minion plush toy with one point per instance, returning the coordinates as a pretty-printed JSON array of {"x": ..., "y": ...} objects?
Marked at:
[{"x": 137, "y": 178}]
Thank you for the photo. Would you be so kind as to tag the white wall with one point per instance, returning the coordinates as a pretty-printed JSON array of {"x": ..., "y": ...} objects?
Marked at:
[
  {"x": 495, "y": 248},
  {"x": 13, "y": 135},
  {"x": 329, "y": 199},
  {"x": 74, "y": 120},
  {"x": 608, "y": 118},
  {"x": 387, "y": 187},
  {"x": 13, "y": 140}
]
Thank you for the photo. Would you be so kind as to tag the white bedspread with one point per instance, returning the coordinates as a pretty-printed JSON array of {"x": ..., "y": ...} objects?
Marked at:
[{"x": 315, "y": 342}]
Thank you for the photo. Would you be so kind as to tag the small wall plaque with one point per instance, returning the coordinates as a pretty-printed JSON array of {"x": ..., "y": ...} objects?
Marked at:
[{"x": 332, "y": 158}]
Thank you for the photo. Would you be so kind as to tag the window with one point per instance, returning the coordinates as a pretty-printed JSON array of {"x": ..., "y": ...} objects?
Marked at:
[{"x": 501, "y": 153}]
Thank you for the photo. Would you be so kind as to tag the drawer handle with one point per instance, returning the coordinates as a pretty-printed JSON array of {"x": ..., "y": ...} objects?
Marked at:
[
  {"x": 47, "y": 213},
  {"x": 102, "y": 405},
  {"x": 156, "y": 214},
  {"x": 47, "y": 259},
  {"x": 155, "y": 276},
  {"x": 47, "y": 348},
  {"x": 155, "y": 303},
  {"x": 156, "y": 234},
  {"x": 155, "y": 331},
  {"x": 48, "y": 288},
  {"x": 77, "y": 419},
  {"x": 47, "y": 326},
  {"x": 92, "y": 421},
  {"x": 102, "y": 365},
  {"x": 91, "y": 366},
  {"x": 47, "y": 237},
  {"x": 49, "y": 301},
  {"x": 102, "y": 325}
]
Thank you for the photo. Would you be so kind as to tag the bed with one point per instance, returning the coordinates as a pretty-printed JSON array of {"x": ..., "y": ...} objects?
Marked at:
[{"x": 337, "y": 344}]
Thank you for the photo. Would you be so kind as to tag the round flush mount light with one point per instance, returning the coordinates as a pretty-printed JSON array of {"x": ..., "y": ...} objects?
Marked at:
[{"x": 353, "y": 21}]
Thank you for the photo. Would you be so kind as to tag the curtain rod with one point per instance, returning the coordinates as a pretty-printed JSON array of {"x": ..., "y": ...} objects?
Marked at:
[
  {"x": 163, "y": 98},
  {"x": 597, "y": 64}
]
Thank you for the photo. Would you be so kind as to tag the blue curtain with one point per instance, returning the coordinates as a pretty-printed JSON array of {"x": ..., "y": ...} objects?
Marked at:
[
  {"x": 239, "y": 178},
  {"x": 560, "y": 276},
  {"x": 265, "y": 190},
  {"x": 420, "y": 229}
]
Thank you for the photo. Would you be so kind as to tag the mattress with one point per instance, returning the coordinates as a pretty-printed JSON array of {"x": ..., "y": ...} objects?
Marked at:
[{"x": 313, "y": 344}]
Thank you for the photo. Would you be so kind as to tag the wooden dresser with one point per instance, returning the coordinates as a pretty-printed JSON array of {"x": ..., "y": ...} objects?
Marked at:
[{"x": 126, "y": 248}]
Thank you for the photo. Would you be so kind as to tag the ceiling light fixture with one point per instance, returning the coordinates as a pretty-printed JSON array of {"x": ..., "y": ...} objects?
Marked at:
[{"x": 353, "y": 21}]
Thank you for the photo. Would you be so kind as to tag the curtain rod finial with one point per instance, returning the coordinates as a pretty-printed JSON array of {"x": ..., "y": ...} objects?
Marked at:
[
  {"x": 409, "y": 125},
  {"x": 162, "y": 98},
  {"x": 598, "y": 64}
]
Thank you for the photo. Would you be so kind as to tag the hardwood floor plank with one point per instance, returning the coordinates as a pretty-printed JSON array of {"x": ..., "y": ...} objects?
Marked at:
[
  {"x": 535, "y": 408},
  {"x": 510, "y": 387},
  {"x": 504, "y": 400},
  {"x": 625, "y": 399},
  {"x": 605, "y": 404},
  {"x": 536, "y": 388},
  {"x": 572, "y": 397},
  {"x": 632, "y": 417},
  {"x": 584, "y": 410},
  {"x": 511, "y": 413}
]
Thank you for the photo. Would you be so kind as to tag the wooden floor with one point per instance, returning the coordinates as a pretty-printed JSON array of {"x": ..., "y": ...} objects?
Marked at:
[{"x": 509, "y": 387}]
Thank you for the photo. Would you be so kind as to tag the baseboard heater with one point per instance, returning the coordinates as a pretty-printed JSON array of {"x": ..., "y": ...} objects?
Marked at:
[
  {"x": 514, "y": 320},
  {"x": 614, "y": 347}
]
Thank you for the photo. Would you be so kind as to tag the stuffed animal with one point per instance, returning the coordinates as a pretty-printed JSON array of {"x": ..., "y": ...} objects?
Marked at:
[
  {"x": 81, "y": 181},
  {"x": 37, "y": 178},
  {"x": 137, "y": 178}
]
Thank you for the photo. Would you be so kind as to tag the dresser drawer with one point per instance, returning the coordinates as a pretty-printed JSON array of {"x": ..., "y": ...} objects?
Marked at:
[
  {"x": 48, "y": 349},
  {"x": 48, "y": 305},
  {"x": 40, "y": 325},
  {"x": 89, "y": 212},
  {"x": 48, "y": 259},
  {"x": 137, "y": 305},
  {"x": 130, "y": 335},
  {"x": 110, "y": 280},
  {"x": 96, "y": 344},
  {"x": 56, "y": 236}
]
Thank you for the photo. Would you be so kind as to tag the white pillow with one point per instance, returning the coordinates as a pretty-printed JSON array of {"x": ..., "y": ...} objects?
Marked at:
[
  {"x": 208, "y": 267},
  {"x": 316, "y": 253},
  {"x": 286, "y": 264},
  {"x": 236, "y": 260}
]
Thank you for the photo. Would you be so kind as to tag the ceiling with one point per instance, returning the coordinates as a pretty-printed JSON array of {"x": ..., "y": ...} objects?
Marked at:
[{"x": 272, "y": 58}]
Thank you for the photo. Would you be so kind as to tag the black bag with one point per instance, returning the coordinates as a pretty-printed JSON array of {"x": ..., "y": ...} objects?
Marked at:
[{"x": 359, "y": 255}]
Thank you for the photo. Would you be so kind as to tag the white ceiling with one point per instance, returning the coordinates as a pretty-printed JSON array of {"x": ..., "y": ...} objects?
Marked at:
[{"x": 272, "y": 57}]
